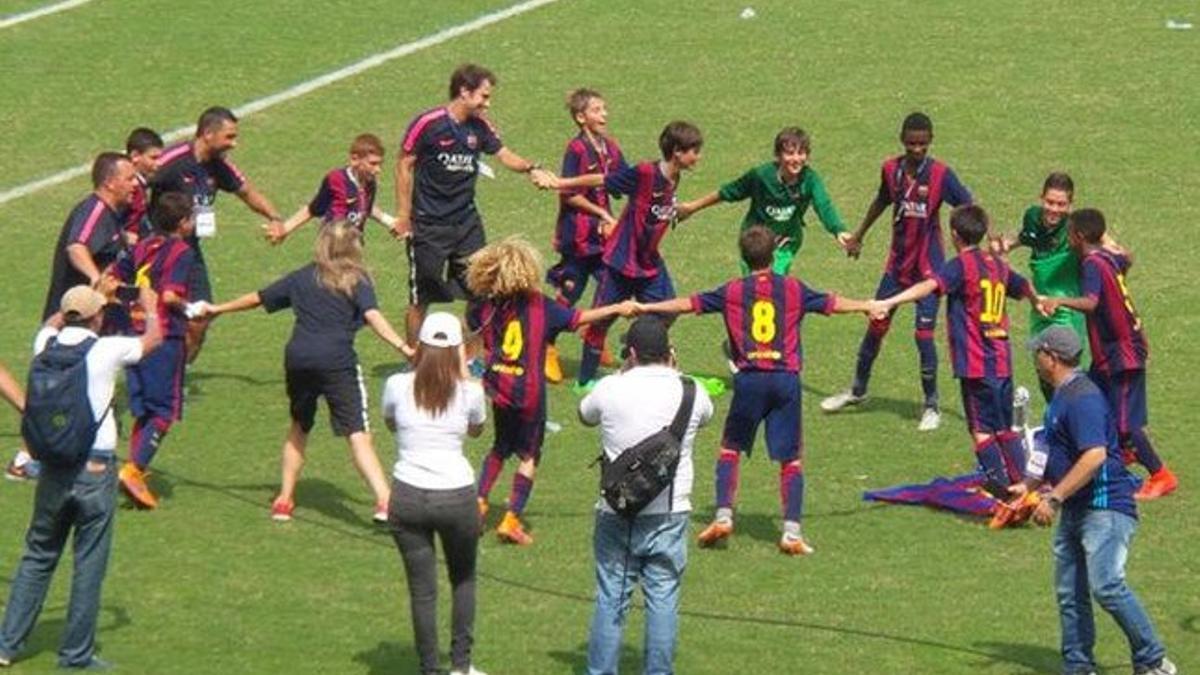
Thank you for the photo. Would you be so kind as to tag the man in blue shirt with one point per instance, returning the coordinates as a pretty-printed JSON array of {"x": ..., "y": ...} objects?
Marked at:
[{"x": 1093, "y": 495}]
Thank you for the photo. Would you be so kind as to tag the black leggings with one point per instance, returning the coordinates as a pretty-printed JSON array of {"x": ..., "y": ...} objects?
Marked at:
[{"x": 414, "y": 516}]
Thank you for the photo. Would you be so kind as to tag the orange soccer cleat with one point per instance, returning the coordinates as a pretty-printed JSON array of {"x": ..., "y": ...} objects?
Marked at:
[
  {"x": 1016, "y": 512},
  {"x": 554, "y": 372},
  {"x": 133, "y": 482},
  {"x": 794, "y": 545},
  {"x": 512, "y": 531},
  {"x": 281, "y": 510},
  {"x": 1160, "y": 484},
  {"x": 717, "y": 532}
]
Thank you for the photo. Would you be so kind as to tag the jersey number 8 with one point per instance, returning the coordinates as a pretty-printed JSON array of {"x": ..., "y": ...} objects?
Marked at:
[{"x": 763, "y": 327}]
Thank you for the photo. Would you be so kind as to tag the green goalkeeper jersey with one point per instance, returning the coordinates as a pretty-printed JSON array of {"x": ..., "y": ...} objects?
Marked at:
[
  {"x": 782, "y": 207},
  {"x": 1054, "y": 268}
]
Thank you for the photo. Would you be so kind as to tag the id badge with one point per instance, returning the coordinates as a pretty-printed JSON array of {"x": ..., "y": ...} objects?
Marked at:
[{"x": 206, "y": 222}]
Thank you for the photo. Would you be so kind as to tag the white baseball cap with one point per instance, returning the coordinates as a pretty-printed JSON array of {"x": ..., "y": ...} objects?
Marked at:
[{"x": 441, "y": 329}]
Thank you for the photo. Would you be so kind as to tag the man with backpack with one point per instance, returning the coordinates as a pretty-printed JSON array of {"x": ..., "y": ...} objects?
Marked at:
[
  {"x": 633, "y": 408},
  {"x": 70, "y": 428}
]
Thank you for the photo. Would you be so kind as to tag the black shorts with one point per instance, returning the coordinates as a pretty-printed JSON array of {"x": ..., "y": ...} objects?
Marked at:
[
  {"x": 344, "y": 390},
  {"x": 437, "y": 260}
]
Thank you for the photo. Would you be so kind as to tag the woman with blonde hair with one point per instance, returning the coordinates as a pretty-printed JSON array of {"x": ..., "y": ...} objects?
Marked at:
[
  {"x": 331, "y": 297},
  {"x": 431, "y": 409},
  {"x": 516, "y": 323}
]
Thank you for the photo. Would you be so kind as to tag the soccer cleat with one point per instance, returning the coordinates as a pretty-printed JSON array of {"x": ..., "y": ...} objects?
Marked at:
[
  {"x": 1165, "y": 667},
  {"x": 838, "y": 401},
  {"x": 5, "y": 662},
  {"x": 554, "y": 373},
  {"x": 716, "y": 532},
  {"x": 794, "y": 545},
  {"x": 471, "y": 670},
  {"x": 511, "y": 531},
  {"x": 1160, "y": 484},
  {"x": 381, "y": 513},
  {"x": 482, "y": 504},
  {"x": 1014, "y": 513},
  {"x": 281, "y": 510},
  {"x": 133, "y": 482},
  {"x": 931, "y": 419}
]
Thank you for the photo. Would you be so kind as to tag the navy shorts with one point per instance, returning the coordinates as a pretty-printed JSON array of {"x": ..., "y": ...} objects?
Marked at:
[
  {"x": 156, "y": 382},
  {"x": 570, "y": 276},
  {"x": 927, "y": 307},
  {"x": 616, "y": 287},
  {"x": 344, "y": 391},
  {"x": 517, "y": 433},
  {"x": 765, "y": 396},
  {"x": 987, "y": 404},
  {"x": 437, "y": 259},
  {"x": 1126, "y": 394}
]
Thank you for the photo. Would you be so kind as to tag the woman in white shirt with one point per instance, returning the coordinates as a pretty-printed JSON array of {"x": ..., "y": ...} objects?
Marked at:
[{"x": 431, "y": 410}]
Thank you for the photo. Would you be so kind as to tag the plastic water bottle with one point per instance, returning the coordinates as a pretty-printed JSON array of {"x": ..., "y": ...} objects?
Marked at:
[{"x": 1021, "y": 408}]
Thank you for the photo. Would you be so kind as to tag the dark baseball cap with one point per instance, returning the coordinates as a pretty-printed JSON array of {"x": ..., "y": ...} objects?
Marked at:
[
  {"x": 1060, "y": 341},
  {"x": 648, "y": 337}
]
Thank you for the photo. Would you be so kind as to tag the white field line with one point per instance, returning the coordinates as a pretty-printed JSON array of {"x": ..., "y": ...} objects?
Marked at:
[
  {"x": 306, "y": 87},
  {"x": 45, "y": 10}
]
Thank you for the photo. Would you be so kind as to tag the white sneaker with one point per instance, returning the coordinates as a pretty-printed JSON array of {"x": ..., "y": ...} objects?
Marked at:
[
  {"x": 471, "y": 670},
  {"x": 931, "y": 419},
  {"x": 1165, "y": 667},
  {"x": 838, "y": 401}
]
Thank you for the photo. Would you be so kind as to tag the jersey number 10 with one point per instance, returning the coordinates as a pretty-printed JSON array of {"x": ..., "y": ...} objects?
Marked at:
[{"x": 993, "y": 301}]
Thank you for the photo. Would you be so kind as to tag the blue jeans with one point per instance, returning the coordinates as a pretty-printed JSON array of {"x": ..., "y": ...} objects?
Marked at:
[
  {"x": 1090, "y": 549},
  {"x": 66, "y": 499},
  {"x": 652, "y": 549}
]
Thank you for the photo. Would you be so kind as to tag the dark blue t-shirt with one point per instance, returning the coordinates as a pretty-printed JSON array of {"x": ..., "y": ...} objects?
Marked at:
[
  {"x": 326, "y": 321},
  {"x": 1079, "y": 419}
]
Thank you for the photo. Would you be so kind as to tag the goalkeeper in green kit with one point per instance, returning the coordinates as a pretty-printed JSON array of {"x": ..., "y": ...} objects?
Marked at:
[
  {"x": 1054, "y": 267},
  {"x": 780, "y": 193}
]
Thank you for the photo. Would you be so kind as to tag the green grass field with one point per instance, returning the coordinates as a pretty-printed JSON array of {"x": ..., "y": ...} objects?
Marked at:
[{"x": 209, "y": 584}]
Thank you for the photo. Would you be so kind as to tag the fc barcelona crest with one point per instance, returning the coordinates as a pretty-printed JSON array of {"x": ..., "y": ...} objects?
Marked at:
[{"x": 472, "y": 141}]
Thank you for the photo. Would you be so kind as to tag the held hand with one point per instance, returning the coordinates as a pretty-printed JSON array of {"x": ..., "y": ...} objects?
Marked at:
[
  {"x": 402, "y": 227},
  {"x": 844, "y": 240},
  {"x": 543, "y": 179},
  {"x": 107, "y": 286},
  {"x": 1047, "y": 306},
  {"x": 628, "y": 309},
  {"x": 274, "y": 233},
  {"x": 853, "y": 246},
  {"x": 878, "y": 310},
  {"x": 131, "y": 239},
  {"x": 608, "y": 227}
]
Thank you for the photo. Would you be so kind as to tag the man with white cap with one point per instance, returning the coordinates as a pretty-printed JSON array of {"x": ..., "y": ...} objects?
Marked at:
[
  {"x": 80, "y": 497},
  {"x": 1093, "y": 497}
]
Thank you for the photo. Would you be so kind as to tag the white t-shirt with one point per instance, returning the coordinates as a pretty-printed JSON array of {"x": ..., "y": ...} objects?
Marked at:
[
  {"x": 430, "y": 449},
  {"x": 634, "y": 404},
  {"x": 105, "y": 360}
]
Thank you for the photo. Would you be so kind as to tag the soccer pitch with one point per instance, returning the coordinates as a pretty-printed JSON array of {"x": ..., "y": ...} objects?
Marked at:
[{"x": 208, "y": 583}]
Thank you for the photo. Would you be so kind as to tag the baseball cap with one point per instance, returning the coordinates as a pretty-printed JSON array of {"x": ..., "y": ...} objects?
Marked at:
[
  {"x": 648, "y": 337},
  {"x": 441, "y": 329},
  {"x": 1060, "y": 341},
  {"x": 82, "y": 301}
]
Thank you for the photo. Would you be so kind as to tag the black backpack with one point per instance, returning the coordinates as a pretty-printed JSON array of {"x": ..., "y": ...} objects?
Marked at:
[
  {"x": 58, "y": 425},
  {"x": 639, "y": 474}
]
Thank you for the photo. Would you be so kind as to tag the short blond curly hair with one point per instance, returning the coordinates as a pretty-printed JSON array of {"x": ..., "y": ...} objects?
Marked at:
[{"x": 506, "y": 268}]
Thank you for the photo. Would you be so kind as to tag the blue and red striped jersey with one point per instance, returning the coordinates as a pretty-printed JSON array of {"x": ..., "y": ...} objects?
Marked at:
[
  {"x": 515, "y": 332},
  {"x": 977, "y": 287},
  {"x": 163, "y": 263},
  {"x": 447, "y": 154},
  {"x": 916, "y": 229},
  {"x": 1115, "y": 332},
  {"x": 136, "y": 212},
  {"x": 342, "y": 197},
  {"x": 578, "y": 232},
  {"x": 762, "y": 315},
  {"x": 632, "y": 250}
]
